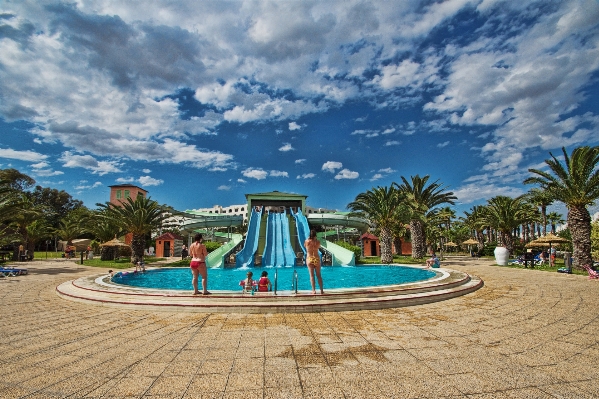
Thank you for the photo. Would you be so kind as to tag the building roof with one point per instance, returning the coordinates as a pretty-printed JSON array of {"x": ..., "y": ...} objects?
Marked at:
[
  {"x": 169, "y": 236},
  {"x": 128, "y": 185},
  {"x": 276, "y": 194},
  {"x": 368, "y": 236}
]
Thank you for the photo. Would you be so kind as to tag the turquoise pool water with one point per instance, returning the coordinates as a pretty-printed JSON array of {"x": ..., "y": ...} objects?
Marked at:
[{"x": 228, "y": 279}]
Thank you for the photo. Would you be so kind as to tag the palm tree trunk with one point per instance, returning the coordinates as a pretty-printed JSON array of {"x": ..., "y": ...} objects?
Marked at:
[
  {"x": 418, "y": 239},
  {"x": 544, "y": 213},
  {"x": 579, "y": 223},
  {"x": 386, "y": 239},
  {"x": 137, "y": 248}
]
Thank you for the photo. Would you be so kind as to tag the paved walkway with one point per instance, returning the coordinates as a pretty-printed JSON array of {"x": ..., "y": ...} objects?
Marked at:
[{"x": 525, "y": 334}]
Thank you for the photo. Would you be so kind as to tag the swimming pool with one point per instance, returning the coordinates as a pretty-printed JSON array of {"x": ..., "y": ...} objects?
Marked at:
[{"x": 228, "y": 279}]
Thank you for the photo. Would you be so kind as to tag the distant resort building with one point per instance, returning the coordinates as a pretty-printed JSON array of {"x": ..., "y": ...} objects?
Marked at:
[{"x": 241, "y": 210}]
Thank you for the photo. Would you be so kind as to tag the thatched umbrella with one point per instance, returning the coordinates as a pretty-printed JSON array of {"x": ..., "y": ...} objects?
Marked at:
[
  {"x": 551, "y": 238},
  {"x": 113, "y": 253},
  {"x": 470, "y": 241}
]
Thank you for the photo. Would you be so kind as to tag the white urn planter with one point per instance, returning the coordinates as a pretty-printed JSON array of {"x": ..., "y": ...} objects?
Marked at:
[{"x": 501, "y": 256}]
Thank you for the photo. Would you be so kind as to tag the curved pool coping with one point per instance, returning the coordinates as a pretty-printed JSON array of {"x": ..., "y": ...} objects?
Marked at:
[{"x": 99, "y": 290}]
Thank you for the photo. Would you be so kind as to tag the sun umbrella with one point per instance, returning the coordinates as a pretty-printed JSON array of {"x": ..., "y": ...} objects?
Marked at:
[
  {"x": 470, "y": 241},
  {"x": 114, "y": 243},
  {"x": 551, "y": 239}
]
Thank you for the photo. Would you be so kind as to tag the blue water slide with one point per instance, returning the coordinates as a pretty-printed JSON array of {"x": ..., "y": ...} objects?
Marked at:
[
  {"x": 268, "y": 253},
  {"x": 303, "y": 230},
  {"x": 287, "y": 248},
  {"x": 278, "y": 244},
  {"x": 245, "y": 257}
]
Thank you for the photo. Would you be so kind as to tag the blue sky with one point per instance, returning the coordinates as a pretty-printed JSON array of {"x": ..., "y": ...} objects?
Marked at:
[{"x": 201, "y": 102}]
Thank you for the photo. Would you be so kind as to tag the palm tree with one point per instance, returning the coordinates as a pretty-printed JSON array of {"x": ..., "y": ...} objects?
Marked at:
[
  {"x": 105, "y": 229},
  {"x": 382, "y": 206},
  {"x": 576, "y": 184},
  {"x": 475, "y": 221},
  {"x": 421, "y": 199},
  {"x": 542, "y": 199},
  {"x": 505, "y": 214},
  {"x": 554, "y": 219},
  {"x": 138, "y": 217},
  {"x": 69, "y": 229}
]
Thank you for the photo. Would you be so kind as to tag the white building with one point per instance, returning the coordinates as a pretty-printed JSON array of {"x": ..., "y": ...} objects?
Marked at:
[{"x": 242, "y": 210}]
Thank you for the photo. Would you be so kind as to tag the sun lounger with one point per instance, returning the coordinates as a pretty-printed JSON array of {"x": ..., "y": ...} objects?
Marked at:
[
  {"x": 13, "y": 272},
  {"x": 592, "y": 273}
]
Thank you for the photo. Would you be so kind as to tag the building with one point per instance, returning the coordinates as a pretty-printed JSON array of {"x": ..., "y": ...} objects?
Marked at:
[
  {"x": 243, "y": 211},
  {"x": 120, "y": 193}
]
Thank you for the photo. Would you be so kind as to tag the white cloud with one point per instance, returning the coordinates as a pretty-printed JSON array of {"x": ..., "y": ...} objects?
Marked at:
[
  {"x": 40, "y": 165},
  {"x": 388, "y": 130},
  {"x": 278, "y": 173},
  {"x": 300, "y": 161},
  {"x": 147, "y": 181},
  {"x": 146, "y": 171},
  {"x": 331, "y": 166},
  {"x": 392, "y": 142},
  {"x": 387, "y": 170},
  {"x": 255, "y": 173},
  {"x": 481, "y": 191},
  {"x": 286, "y": 147},
  {"x": 125, "y": 180},
  {"x": 224, "y": 188},
  {"x": 306, "y": 176},
  {"x": 90, "y": 163},
  {"x": 241, "y": 181},
  {"x": 443, "y": 144},
  {"x": 376, "y": 176},
  {"x": 47, "y": 172},
  {"x": 294, "y": 126},
  {"x": 26, "y": 155},
  {"x": 347, "y": 174}
]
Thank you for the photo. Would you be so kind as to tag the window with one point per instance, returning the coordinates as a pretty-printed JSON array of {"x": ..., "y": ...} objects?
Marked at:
[
  {"x": 118, "y": 194},
  {"x": 127, "y": 195}
]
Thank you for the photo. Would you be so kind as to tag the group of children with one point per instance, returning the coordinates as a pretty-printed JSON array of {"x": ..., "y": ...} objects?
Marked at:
[{"x": 264, "y": 284}]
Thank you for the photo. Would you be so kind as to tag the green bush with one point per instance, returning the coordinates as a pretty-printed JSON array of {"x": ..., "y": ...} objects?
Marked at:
[
  {"x": 355, "y": 249},
  {"x": 211, "y": 245}
]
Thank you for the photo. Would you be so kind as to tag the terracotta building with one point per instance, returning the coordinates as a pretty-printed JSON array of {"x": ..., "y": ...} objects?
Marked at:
[
  {"x": 168, "y": 244},
  {"x": 371, "y": 246},
  {"x": 120, "y": 193}
]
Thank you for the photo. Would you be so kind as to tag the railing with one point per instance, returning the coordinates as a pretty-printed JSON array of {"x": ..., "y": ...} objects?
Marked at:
[
  {"x": 275, "y": 283},
  {"x": 294, "y": 282}
]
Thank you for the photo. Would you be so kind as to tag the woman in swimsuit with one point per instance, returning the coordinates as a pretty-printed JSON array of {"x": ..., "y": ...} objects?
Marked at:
[
  {"x": 198, "y": 253},
  {"x": 313, "y": 260}
]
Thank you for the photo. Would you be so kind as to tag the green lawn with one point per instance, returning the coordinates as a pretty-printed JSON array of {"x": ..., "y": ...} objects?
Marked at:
[{"x": 96, "y": 262}]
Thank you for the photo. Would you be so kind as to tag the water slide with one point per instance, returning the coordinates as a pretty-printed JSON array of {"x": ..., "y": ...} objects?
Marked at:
[
  {"x": 245, "y": 257},
  {"x": 217, "y": 257},
  {"x": 340, "y": 256},
  {"x": 303, "y": 230},
  {"x": 278, "y": 250}
]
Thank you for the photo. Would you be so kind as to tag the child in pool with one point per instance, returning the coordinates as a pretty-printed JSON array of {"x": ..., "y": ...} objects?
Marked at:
[{"x": 264, "y": 283}]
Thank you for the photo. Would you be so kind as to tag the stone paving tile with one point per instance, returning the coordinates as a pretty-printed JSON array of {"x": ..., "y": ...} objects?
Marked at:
[{"x": 525, "y": 334}]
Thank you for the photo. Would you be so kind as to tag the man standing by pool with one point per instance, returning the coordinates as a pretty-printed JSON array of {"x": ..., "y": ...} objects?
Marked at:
[
  {"x": 313, "y": 260},
  {"x": 198, "y": 253}
]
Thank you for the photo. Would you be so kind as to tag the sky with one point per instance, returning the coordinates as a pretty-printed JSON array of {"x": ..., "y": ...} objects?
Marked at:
[{"x": 202, "y": 102}]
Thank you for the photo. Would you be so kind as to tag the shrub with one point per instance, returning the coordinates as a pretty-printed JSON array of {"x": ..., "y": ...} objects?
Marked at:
[{"x": 211, "y": 245}]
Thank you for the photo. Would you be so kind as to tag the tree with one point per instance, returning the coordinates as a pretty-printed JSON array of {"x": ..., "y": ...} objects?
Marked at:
[
  {"x": 58, "y": 204},
  {"x": 382, "y": 206},
  {"x": 505, "y": 214},
  {"x": 576, "y": 184},
  {"x": 420, "y": 199},
  {"x": 105, "y": 229},
  {"x": 476, "y": 222},
  {"x": 16, "y": 180},
  {"x": 542, "y": 199},
  {"x": 554, "y": 219},
  {"x": 136, "y": 216}
]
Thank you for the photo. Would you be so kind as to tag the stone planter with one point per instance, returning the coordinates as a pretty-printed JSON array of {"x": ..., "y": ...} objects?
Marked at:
[{"x": 501, "y": 256}]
